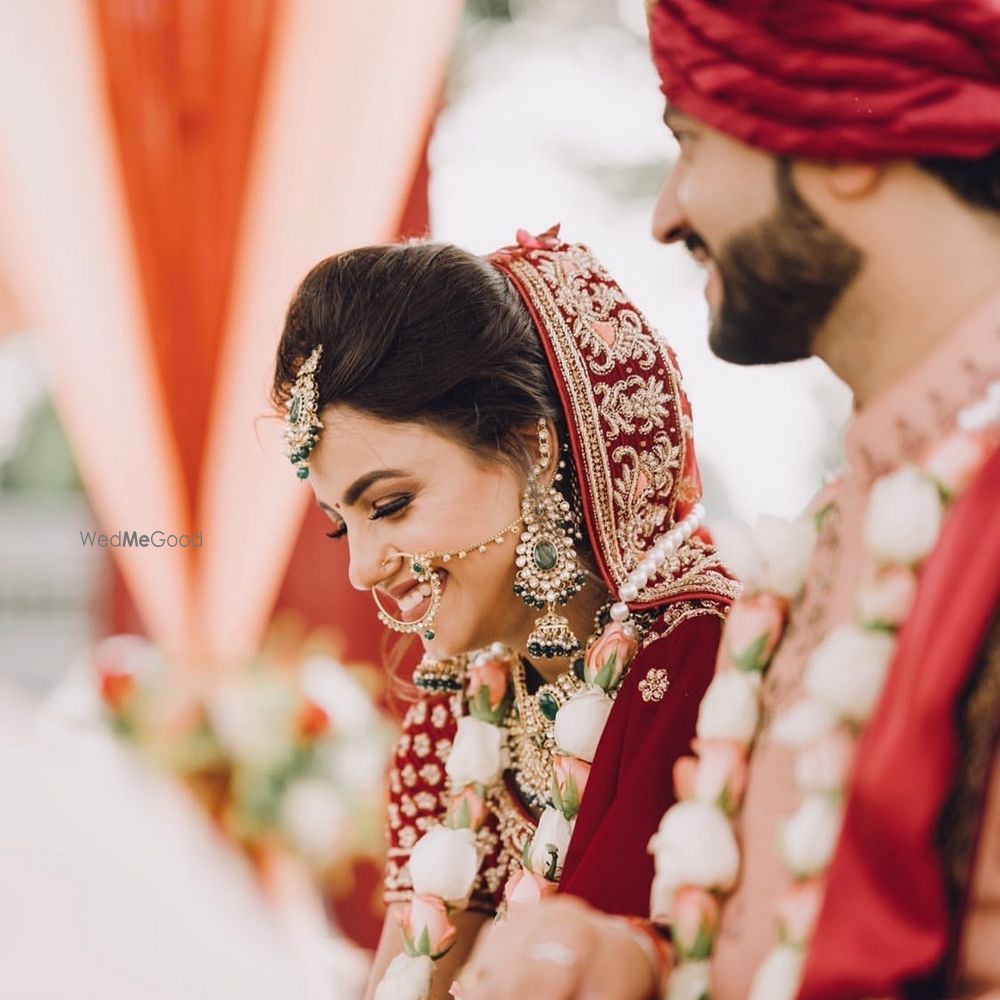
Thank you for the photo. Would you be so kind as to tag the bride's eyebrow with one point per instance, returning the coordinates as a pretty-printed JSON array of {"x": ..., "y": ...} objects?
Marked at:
[{"x": 362, "y": 483}]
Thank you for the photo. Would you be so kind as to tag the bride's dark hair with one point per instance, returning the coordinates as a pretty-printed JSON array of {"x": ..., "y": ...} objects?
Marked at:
[{"x": 423, "y": 333}]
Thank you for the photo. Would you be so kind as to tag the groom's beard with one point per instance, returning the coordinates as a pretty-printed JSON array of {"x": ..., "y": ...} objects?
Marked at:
[{"x": 780, "y": 280}]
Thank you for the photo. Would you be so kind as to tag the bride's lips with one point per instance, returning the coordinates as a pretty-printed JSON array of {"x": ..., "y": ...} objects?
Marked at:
[{"x": 412, "y": 599}]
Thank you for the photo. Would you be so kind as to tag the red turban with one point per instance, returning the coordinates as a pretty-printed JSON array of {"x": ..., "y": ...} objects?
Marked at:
[{"x": 838, "y": 79}]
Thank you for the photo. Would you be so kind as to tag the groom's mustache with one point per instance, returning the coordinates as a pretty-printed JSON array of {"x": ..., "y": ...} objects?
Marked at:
[{"x": 696, "y": 246}]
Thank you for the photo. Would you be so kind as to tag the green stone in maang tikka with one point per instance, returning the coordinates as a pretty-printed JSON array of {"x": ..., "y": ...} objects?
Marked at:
[{"x": 296, "y": 410}]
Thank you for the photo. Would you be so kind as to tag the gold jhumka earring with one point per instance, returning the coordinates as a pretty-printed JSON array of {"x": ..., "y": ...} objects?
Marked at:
[
  {"x": 425, "y": 573},
  {"x": 548, "y": 569}
]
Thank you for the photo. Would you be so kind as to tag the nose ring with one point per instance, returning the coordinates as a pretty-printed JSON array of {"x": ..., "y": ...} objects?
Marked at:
[{"x": 422, "y": 571}]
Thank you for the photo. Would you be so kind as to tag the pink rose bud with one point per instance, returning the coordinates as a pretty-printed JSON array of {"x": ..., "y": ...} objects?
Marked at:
[
  {"x": 570, "y": 774},
  {"x": 886, "y": 595},
  {"x": 694, "y": 921},
  {"x": 609, "y": 657},
  {"x": 313, "y": 720},
  {"x": 488, "y": 683},
  {"x": 826, "y": 765},
  {"x": 426, "y": 927},
  {"x": 526, "y": 889},
  {"x": 798, "y": 909},
  {"x": 685, "y": 776},
  {"x": 721, "y": 777},
  {"x": 954, "y": 461},
  {"x": 467, "y": 808},
  {"x": 752, "y": 631},
  {"x": 121, "y": 663},
  {"x": 117, "y": 690}
]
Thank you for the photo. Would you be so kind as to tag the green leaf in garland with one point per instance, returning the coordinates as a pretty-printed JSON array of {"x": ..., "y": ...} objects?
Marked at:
[
  {"x": 463, "y": 820},
  {"x": 479, "y": 707},
  {"x": 753, "y": 658},
  {"x": 819, "y": 518},
  {"x": 408, "y": 946},
  {"x": 567, "y": 801},
  {"x": 526, "y": 854},
  {"x": 702, "y": 947},
  {"x": 557, "y": 801},
  {"x": 424, "y": 943},
  {"x": 606, "y": 678},
  {"x": 570, "y": 799}
]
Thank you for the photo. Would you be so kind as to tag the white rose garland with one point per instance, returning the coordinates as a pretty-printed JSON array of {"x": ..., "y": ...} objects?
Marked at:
[
  {"x": 843, "y": 681},
  {"x": 445, "y": 861},
  {"x": 476, "y": 756},
  {"x": 580, "y": 723},
  {"x": 578, "y": 727},
  {"x": 407, "y": 978}
]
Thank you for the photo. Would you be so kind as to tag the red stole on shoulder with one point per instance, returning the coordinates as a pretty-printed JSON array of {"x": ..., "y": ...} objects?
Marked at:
[
  {"x": 630, "y": 785},
  {"x": 885, "y": 919}
]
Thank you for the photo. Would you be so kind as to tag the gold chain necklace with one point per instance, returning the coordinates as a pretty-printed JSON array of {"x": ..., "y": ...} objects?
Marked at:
[
  {"x": 531, "y": 719},
  {"x": 531, "y": 729}
]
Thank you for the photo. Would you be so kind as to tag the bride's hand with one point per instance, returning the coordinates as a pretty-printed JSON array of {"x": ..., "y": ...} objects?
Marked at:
[{"x": 560, "y": 950}]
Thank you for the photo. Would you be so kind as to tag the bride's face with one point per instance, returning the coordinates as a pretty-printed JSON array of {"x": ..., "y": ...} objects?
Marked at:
[{"x": 403, "y": 487}]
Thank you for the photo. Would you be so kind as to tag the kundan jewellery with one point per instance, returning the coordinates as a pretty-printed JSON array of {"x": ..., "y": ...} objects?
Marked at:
[
  {"x": 428, "y": 584},
  {"x": 548, "y": 571},
  {"x": 304, "y": 426}
]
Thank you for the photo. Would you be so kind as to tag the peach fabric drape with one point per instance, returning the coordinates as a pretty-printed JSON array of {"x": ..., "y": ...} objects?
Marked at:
[
  {"x": 66, "y": 253},
  {"x": 354, "y": 85},
  {"x": 168, "y": 171},
  {"x": 183, "y": 82}
]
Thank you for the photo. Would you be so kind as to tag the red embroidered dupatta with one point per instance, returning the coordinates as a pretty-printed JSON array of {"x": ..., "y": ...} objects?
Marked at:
[{"x": 630, "y": 430}]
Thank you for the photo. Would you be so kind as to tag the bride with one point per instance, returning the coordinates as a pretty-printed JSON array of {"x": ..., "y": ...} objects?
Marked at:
[{"x": 506, "y": 448}]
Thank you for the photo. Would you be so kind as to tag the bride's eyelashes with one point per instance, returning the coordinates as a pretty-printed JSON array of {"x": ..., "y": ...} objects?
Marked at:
[
  {"x": 390, "y": 507},
  {"x": 394, "y": 506}
]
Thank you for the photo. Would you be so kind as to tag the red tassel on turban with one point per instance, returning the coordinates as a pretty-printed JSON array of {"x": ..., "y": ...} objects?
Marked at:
[{"x": 837, "y": 79}]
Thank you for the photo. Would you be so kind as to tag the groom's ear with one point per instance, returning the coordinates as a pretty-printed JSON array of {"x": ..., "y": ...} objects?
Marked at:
[
  {"x": 829, "y": 185},
  {"x": 849, "y": 180}
]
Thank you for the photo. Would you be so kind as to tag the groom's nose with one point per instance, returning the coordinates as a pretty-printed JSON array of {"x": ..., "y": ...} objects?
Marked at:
[{"x": 669, "y": 221}]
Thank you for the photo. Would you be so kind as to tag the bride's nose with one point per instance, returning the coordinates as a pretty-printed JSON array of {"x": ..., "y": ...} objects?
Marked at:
[{"x": 371, "y": 565}]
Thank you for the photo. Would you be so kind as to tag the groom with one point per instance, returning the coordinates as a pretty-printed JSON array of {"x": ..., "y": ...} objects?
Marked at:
[{"x": 839, "y": 176}]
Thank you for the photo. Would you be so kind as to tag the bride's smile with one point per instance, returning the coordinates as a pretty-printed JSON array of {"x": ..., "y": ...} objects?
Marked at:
[{"x": 399, "y": 490}]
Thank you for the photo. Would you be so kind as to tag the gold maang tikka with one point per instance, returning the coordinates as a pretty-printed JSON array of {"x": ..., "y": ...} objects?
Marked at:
[
  {"x": 423, "y": 570},
  {"x": 548, "y": 569},
  {"x": 304, "y": 427}
]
